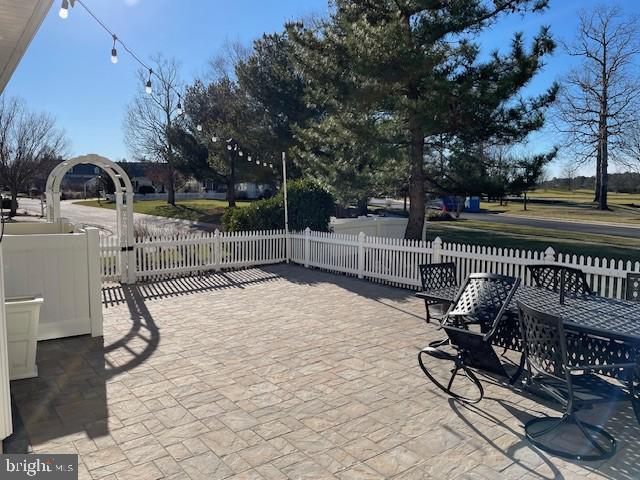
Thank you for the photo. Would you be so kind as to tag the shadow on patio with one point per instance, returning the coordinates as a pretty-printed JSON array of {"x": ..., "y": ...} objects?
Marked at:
[{"x": 279, "y": 371}]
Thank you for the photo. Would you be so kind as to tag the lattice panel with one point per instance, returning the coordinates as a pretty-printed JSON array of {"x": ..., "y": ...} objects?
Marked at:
[
  {"x": 544, "y": 342},
  {"x": 438, "y": 275},
  {"x": 549, "y": 278},
  {"x": 482, "y": 299},
  {"x": 633, "y": 287}
]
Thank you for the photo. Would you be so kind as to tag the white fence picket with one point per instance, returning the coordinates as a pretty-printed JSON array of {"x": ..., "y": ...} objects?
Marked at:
[{"x": 383, "y": 260}]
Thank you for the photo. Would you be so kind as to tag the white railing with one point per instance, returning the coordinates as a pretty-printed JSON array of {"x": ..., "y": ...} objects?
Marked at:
[
  {"x": 180, "y": 254},
  {"x": 110, "y": 259},
  {"x": 386, "y": 260},
  {"x": 395, "y": 261}
]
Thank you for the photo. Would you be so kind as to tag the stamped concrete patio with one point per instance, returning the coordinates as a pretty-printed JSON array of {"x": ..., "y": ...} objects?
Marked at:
[{"x": 277, "y": 373}]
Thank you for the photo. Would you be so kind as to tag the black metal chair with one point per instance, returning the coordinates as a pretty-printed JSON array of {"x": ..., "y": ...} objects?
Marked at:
[
  {"x": 470, "y": 323},
  {"x": 545, "y": 348},
  {"x": 435, "y": 276},
  {"x": 633, "y": 287},
  {"x": 560, "y": 279}
]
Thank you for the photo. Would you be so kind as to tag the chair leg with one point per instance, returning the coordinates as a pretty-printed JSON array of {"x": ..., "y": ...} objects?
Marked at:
[
  {"x": 428, "y": 319},
  {"x": 597, "y": 438},
  {"x": 519, "y": 371}
]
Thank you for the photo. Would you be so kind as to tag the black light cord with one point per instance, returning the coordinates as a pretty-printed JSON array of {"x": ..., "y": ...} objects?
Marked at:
[{"x": 117, "y": 39}]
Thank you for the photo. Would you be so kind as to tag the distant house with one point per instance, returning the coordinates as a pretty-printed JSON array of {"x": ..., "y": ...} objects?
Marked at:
[{"x": 144, "y": 182}]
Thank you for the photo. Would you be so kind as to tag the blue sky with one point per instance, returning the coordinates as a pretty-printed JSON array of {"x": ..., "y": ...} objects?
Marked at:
[{"x": 67, "y": 71}]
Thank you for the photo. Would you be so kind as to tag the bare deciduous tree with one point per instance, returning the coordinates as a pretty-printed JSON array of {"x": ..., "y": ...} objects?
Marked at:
[
  {"x": 599, "y": 98},
  {"x": 150, "y": 118},
  {"x": 28, "y": 142}
]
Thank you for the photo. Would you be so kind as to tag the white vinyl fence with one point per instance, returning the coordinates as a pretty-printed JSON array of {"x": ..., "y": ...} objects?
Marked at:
[
  {"x": 182, "y": 254},
  {"x": 386, "y": 260}
]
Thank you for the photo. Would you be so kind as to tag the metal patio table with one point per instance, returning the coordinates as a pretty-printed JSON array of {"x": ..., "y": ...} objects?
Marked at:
[{"x": 600, "y": 331}]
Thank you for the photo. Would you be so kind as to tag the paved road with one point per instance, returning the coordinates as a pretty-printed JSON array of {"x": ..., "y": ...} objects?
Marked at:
[
  {"x": 564, "y": 225},
  {"x": 568, "y": 226},
  {"x": 105, "y": 219}
]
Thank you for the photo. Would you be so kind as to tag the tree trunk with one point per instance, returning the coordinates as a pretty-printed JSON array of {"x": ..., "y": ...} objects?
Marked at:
[
  {"x": 363, "y": 206},
  {"x": 525, "y": 200},
  {"x": 171, "y": 189},
  {"x": 416, "y": 184},
  {"x": 596, "y": 196},
  {"x": 404, "y": 207},
  {"x": 604, "y": 175},
  {"x": 231, "y": 182},
  {"x": 14, "y": 203}
]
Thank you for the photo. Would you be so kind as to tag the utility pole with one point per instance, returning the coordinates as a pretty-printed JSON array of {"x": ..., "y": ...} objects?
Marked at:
[{"x": 286, "y": 205}]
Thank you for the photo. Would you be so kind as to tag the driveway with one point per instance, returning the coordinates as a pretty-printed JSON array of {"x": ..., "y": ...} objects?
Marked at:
[{"x": 105, "y": 219}]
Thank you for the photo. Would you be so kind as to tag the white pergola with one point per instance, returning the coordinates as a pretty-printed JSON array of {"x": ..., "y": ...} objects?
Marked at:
[{"x": 124, "y": 205}]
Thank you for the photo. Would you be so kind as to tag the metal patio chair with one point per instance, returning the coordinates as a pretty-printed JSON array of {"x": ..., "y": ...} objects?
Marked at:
[
  {"x": 545, "y": 349},
  {"x": 435, "y": 276},
  {"x": 633, "y": 287},
  {"x": 560, "y": 279},
  {"x": 470, "y": 324}
]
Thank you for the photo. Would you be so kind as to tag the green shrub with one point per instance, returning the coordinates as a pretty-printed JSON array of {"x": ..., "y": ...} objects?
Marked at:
[
  {"x": 439, "y": 217},
  {"x": 310, "y": 205}
]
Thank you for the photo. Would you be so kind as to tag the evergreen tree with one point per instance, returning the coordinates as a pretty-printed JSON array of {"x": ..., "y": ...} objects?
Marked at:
[{"x": 405, "y": 75}]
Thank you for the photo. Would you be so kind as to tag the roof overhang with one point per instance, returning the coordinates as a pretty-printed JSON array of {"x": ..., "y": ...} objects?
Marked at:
[{"x": 19, "y": 22}]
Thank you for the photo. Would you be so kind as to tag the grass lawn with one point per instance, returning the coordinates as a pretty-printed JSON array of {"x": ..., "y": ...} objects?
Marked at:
[
  {"x": 574, "y": 205},
  {"x": 529, "y": 238},
  {"x": 208, "y": 211}
]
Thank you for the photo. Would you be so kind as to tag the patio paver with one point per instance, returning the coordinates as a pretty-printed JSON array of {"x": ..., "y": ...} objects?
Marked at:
[{"x": 272, "y": 373}]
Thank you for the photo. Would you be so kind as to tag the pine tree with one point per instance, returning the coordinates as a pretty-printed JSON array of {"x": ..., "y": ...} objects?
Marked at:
[{"x": 401, "y": 74}]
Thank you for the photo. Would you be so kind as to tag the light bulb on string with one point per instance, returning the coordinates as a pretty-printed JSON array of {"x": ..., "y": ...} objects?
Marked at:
[
  {"x": 240, "y": 154},
  {"x": 114, "y": 52},
  {"x": 64, "y": 10},
  {"x": 214, "y": 139},
  {"x": 257, "y": 162},
  {"x": 179, "y": 108},
  {"x": 148, "y": 87},
  {"x": 199, "y": 127},
  {"x": 248, "y": 158},
  {"x": 229, "y": 147},
  {"x": 271, "y": 165}
]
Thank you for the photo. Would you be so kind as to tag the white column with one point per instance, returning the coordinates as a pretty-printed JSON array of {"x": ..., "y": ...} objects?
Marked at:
[
  {"x": 122, "y": 240},
  {"x": 131, "y": 253},
  {"x": 6, "y": 426},
  {"x": 95, "y": 280}
]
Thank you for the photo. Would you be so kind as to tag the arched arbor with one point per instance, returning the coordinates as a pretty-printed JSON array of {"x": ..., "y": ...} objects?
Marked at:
[{"x": 124, "y": 205}]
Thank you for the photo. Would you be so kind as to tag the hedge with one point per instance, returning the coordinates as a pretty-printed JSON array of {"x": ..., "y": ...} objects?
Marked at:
[{"x": 310, "y": 205}]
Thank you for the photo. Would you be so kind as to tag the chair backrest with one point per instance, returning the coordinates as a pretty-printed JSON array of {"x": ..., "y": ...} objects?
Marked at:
[
  {"x": 545, "y": 344},
  {"x": 483, "y": 300},
  {"x": 438, "y": 275},
  {"x": 633, "y": 287},
  {"x": 549, "y": 277}
]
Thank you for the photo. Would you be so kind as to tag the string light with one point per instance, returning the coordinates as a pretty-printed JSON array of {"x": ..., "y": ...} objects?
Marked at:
[
  {"x": 64, "y": 9},
  {"x": 179, "y": 107},
  {"x": 229, "y": 147},
  {"x": 214, "y": 139},
  {"x": 240, "y": 154},
  {"x": 148, "y": 87},
  {"x": 64, "y": 13},
  {"x": 248, "y": 158},
  {"x": 199, "y": 127}
]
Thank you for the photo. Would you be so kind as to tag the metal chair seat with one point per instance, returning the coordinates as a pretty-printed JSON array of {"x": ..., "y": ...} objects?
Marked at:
[{"x": 480, "y": 304}]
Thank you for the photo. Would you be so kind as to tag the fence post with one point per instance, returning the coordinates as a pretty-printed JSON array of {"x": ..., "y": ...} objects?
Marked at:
[
  {"x": 217, "y": 259},
  {"x": 436, "y": 250},
  {"x": 307, "y": 246},
  {"x": 361, "y": 237},
  {"x": 549, "y": 255},
  {"x": 94, "y": 280}
]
